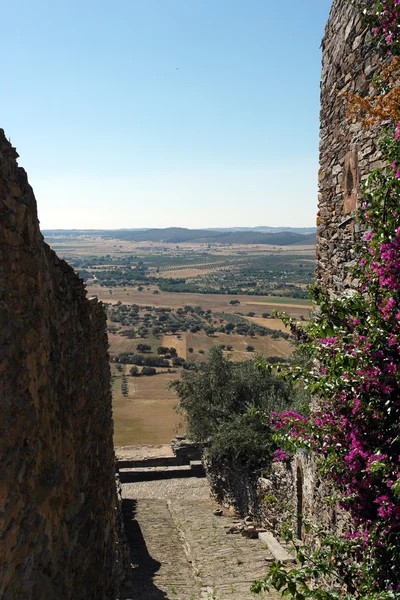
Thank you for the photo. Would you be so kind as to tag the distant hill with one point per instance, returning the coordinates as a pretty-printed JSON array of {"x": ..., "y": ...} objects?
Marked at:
[
  {"x": 284, "y": 238},
  {"x": 179, "y": 235},
  {"x": 265, "y": 229}
]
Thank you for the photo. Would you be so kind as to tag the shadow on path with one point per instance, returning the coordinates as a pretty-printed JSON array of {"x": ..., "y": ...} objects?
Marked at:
[{"x": 144, "y": 567}]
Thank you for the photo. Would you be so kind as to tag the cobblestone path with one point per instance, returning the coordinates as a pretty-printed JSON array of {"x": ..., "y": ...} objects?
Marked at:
[{"x": 179, "y": 548}]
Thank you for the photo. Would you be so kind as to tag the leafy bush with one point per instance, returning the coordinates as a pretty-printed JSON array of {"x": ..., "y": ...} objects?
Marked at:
[
  {"x": 143, "y": 348},
  {"x": 155, "y": 361},
  {"x": 217, "y": 399},
  {"x": 177, "y": 361},
  {"x": 149, "y": 371},
  {"x": 244, "y": 441},
  {"x": 162, "y": 350}
]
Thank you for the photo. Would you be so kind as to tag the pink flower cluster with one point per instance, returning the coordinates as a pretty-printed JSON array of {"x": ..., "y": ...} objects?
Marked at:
[
  {"x": 286, "y": 418},
  {"x": 385, "y": 18},
  {"x": 281, "y": 455},
  {"x": 356, "y": 428},
  {"x": 385, "y": 268},
  {"x": 396, "y": 169}
]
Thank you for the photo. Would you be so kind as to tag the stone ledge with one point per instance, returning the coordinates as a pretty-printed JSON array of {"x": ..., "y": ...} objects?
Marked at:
[{"x": 274, "y": 547}]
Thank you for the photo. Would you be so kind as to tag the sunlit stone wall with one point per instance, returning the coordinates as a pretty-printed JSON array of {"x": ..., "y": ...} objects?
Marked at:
[
  {"x": 57, "y": 493},
  {"x": 347, "y": 152}
]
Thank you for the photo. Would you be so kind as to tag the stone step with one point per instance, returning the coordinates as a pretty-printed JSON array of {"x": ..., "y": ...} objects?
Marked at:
[
  {"x": 274, "y": 547},
  {"x": 155, "y": 473},
  {"x": 159, "y": 461}
]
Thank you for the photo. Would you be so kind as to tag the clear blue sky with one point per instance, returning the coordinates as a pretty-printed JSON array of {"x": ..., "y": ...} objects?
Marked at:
[{"x": 136, "y": 113}]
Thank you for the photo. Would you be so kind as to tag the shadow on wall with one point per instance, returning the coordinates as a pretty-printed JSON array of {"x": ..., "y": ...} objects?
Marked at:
[
  {"x": 300, "y": 508},
  {"x": 144, "y": 567}
]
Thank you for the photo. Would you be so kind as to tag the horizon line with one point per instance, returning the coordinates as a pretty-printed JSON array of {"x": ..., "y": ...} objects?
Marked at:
[{"x": 177, "y": 227}]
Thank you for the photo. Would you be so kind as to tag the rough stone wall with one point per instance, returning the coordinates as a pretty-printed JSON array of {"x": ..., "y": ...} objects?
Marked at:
[
  {"x": 347, "y": 152},
  {"x": 288, "y": 489},
  {"x": 57, "y": 493},
  {"x": 295, "y": 488},
  {"x": 235, "y": 487}
]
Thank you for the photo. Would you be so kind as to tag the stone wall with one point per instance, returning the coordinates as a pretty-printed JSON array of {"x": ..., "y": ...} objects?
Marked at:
[
  {"x": 347, "y": 152},
  {"x": 235, "y": 487},
  {"x": 295, "y": 491},
  {"x": 57, "y": 494},
  {"x": 290, "y": 491}
]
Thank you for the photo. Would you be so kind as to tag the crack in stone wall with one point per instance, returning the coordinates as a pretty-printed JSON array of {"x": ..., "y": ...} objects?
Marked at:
[{"x": 57, "y": 493}]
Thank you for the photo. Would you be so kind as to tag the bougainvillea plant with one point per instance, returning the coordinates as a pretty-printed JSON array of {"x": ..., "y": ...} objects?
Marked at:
[
  {"x": 355, "y": 431},
  {"x": 383, "y": 19}
]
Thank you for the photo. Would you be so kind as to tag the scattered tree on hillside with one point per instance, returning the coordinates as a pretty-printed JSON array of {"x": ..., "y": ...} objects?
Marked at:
[
  {"x": 149, "y": 371},
  {"x": 163, "y": 350},
  {"x": 143, "y": 348}
]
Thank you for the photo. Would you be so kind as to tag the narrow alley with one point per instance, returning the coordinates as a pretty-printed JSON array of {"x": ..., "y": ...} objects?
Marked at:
[{"x": 179, "y": 548}]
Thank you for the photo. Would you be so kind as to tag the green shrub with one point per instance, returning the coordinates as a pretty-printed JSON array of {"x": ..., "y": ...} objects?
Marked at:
[
  {"x": 149, "y": 371},
  {"x": 218, "y": 396}
]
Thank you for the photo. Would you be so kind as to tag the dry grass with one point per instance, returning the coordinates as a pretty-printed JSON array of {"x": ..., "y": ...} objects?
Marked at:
[
  {"x": 214, "y": 302},
  {"x": 279, "y": 302},
  {"x": 119, "y": 344},
  {"x": 188, "y": 272},
  {"x": 91, "y": 245},
  {"x": 146, "y": 415},
  {"x": 262, "y": 345},
  {"x": 275, "y": 324},
  {"x": 172, "y": 341}
]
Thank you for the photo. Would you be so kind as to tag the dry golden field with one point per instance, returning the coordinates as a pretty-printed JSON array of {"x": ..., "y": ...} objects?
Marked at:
[
  {"x": 200, "y": 341},
  {"x": 179, "y": 343},
  {"x": 146, "y": 415},
  {"x": 275, "y": 324},
  {"x": 119, "y": 344},
  {"x": 87, "y": 245},
  {"x": 214, "y": 302},
  {"x": 262, "y": 345},
  {"x": 188, "y": 272}
]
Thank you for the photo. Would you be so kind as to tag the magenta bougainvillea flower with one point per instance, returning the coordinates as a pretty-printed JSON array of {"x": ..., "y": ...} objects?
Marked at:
[{"x": 356, "y": 341}]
